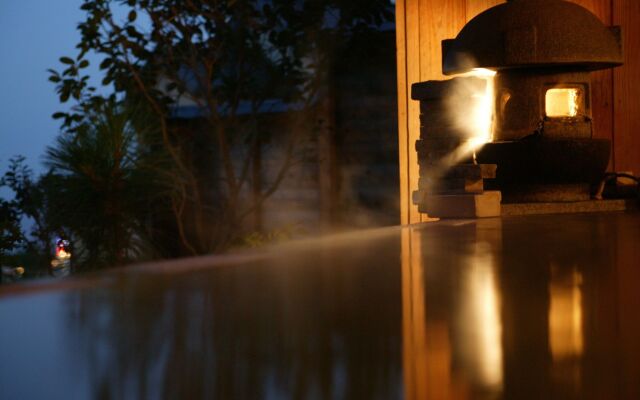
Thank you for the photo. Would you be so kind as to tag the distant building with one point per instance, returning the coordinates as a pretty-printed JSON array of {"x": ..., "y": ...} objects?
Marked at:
[{"x": 346, "y": 175}]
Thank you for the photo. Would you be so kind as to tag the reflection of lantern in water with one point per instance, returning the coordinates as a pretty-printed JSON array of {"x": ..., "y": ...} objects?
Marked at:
[
  {"x": 566, "y": 336},
  {"x": 480, "y": 325},
  {"x": 452, "y": 348},
  {"x": 565, "y": 316}
]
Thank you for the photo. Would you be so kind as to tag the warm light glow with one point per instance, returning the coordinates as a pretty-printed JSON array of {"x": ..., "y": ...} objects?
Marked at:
[
  {"x": 63, "y": 255},
  {"x": 470, "y": 108},
  {"x": 483, "y": 72},
  {"x": 565, "y": 317},
  {"x": 479, "y": 73},
  {"x": 479, "y": 119},
  {"x": 562, "y": 102},
  {"x": 474, "y": 118}
]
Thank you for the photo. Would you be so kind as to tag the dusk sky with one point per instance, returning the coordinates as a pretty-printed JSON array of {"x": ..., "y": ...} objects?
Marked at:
[{"x": 34, "y": 34}]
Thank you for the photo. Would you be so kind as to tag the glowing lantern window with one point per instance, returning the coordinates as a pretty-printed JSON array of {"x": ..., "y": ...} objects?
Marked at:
[{"x": 563, "y": 102}]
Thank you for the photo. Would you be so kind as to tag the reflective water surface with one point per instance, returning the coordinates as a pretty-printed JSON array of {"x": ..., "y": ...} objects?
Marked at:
[{"x": 523, "y": 307}]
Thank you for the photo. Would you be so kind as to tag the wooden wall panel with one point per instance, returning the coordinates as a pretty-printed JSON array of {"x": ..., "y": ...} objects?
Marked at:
[
  {"x": 475, "y": 7},
  {"x": 602, "y": 81},
  {"x": 626, "y": 88},
  {"x": 439, "y": 21}
]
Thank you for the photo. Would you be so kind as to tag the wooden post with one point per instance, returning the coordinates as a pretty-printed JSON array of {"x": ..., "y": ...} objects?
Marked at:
[{"x": 421, "y": 25}]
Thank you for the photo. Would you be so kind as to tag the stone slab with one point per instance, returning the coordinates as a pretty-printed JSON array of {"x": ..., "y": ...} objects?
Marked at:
[
  {"x": 435, "y": 90},
  {"x": 588, "y": 206},
  {"x": 480, "y": 205},
  {"x": 451, "y": 186}
]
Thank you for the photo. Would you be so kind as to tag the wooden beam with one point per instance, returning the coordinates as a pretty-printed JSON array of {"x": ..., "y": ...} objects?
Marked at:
[
  {"x": 403, "y": 128},
  {"x": 413, "y": 25}
]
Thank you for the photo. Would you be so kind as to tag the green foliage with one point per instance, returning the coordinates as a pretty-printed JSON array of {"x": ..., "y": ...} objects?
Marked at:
[
  {"x": 99, "y": 192},
  {"x": 29, "y": 204},
  {"x": 228, "y": 58},
  {"x": 101, "y": 188},
  {"x": 32, "y": 201},
  {"x": 10, "y": 234}
]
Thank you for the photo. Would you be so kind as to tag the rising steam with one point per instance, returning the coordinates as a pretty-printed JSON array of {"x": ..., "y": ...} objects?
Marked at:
[{"x": 470, "y": 107}]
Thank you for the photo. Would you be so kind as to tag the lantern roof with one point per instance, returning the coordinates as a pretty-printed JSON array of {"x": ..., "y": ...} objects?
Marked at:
[{"x": 533, "y": 33}]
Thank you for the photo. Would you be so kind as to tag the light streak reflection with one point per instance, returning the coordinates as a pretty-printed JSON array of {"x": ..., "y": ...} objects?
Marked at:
[{"x": 565, "y": 316}]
